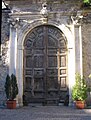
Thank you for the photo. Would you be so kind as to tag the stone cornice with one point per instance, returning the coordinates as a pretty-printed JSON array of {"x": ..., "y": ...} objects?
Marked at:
[
  {"x": 76, "y": 17},
  {"x": 28, "y": 14},
  {"x": 63, "y": 13}
]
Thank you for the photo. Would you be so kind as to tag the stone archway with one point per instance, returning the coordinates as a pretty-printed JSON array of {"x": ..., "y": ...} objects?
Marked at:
[
  {"x": 22, "y": 33},
  {"x": 45, "y": 65}
]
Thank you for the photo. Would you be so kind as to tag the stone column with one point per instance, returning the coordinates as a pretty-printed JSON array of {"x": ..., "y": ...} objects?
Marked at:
[
  {"x": 78, "y": 49},
  {"x": 20, "y": 74},
  {"x": 77, "y": 20},
  {"x": 71, "y": 63},
  {"x": 15, "y": 63},
  {"x": 12, "y": 57},
  {"x": 76, "y": 53}
]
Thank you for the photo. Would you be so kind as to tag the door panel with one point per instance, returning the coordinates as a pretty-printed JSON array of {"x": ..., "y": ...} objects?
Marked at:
[{"x": 45, "y": 65}]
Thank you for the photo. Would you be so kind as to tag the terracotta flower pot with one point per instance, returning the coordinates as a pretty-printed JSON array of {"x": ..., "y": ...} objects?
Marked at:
[
  {"x": 80, "y": 104},
  {"x": 11, "y": 104}
]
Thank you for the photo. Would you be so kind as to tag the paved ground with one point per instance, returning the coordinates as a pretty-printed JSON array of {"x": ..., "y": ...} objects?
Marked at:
[{"x": 45, "y": 113}]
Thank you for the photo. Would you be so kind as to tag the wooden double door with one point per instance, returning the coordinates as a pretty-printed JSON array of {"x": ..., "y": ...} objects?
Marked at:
[{"x": 45, "y": 65}]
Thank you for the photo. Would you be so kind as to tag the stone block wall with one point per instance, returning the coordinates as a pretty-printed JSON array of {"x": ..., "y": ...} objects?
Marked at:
[
  {"x": 86, "y": 48},
  {"x": 36, "y": 5},
  {"x": 4, "y": 62},
  {"x": 86, "y": 40}
]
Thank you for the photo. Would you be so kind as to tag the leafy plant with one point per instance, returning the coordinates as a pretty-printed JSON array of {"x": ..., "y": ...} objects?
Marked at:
[
  {"x": 11, "y": 87},
  {"x": 87, "y": 2},
  {"x": 79, "y": 91}
]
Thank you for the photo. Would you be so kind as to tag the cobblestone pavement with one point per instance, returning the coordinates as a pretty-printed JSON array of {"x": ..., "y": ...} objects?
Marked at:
[{"x": 45, "y": 113}]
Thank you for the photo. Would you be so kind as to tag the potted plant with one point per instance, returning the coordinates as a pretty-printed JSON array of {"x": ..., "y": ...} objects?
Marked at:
[
  {"x": 11, "y": 90},
  {"x": 79, "y": 92}
]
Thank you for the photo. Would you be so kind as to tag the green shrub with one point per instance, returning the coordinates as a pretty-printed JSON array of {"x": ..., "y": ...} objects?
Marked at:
[
  {"x": 11, "y": 87},
  {"x": 79, "y": 91}
]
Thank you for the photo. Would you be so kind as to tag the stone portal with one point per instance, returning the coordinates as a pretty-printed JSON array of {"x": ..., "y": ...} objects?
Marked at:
[{"x": 45, "y": 65}]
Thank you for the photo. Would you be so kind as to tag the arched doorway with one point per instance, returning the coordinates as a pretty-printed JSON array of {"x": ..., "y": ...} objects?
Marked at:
[{"x": 45, "y": 65}]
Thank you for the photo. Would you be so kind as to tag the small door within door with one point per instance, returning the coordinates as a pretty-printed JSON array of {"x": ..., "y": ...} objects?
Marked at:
[{"x": 45, "y": 65}]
